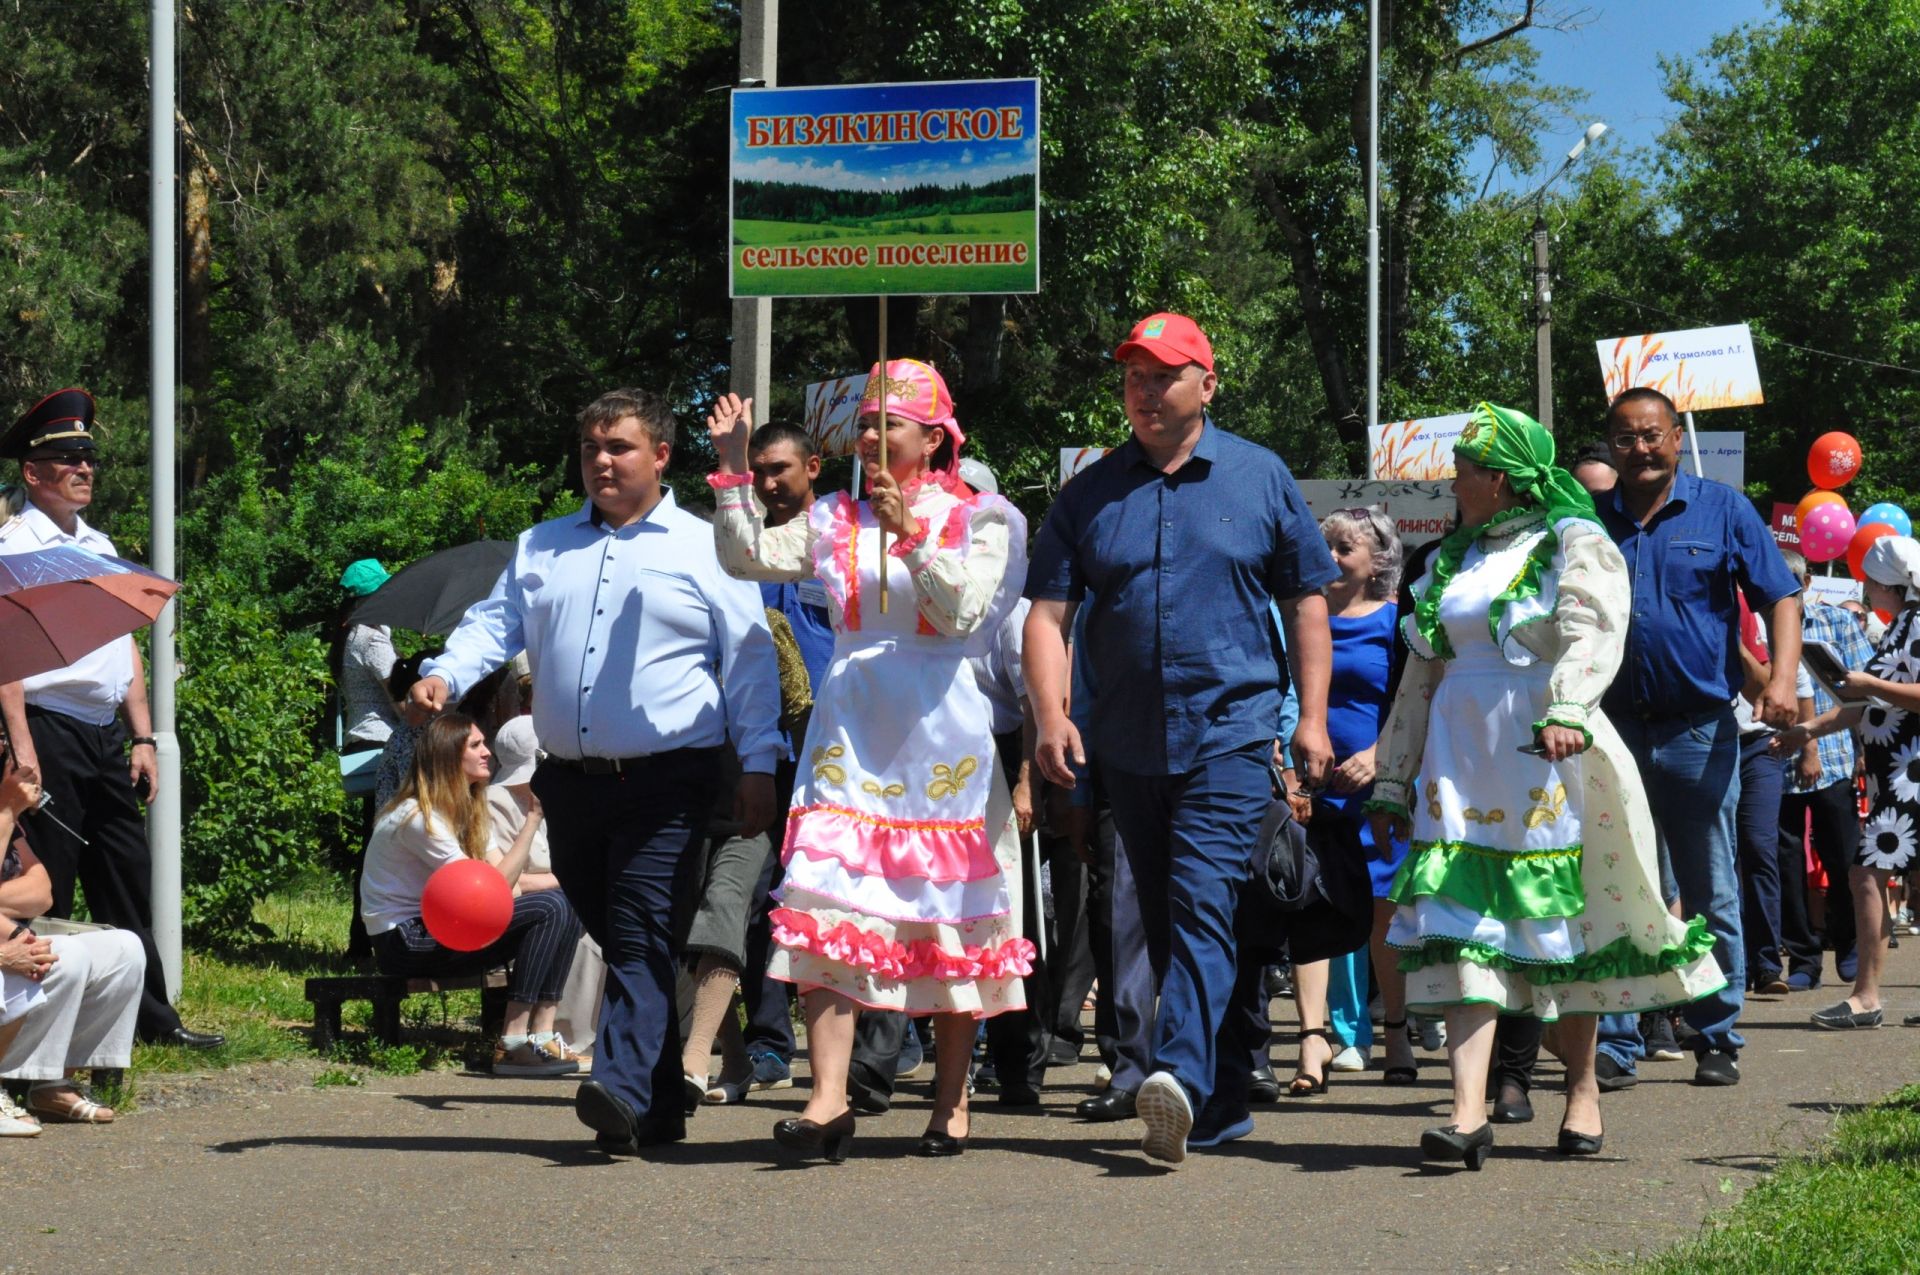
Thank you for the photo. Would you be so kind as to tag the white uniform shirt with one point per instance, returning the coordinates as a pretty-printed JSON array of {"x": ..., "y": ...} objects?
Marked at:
[
  {"x": 93, "y": 687},
  {"x": 639, "y": 642}
]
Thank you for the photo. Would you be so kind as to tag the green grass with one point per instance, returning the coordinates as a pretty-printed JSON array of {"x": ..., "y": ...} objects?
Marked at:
[
  {"x": 1853, "y": 1205},
  {"x": 253, "y": 991},
  {"x": 1011, "y": 226}
]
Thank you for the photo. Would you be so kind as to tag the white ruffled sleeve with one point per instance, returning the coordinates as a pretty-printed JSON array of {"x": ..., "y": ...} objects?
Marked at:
[{"x": 748, "y": 548}]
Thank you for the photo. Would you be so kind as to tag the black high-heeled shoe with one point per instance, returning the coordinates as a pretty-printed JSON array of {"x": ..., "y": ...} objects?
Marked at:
[
  {"x": 934, "y": 1145},
  {"x": 1575, "y": 1143},
  {"x": 832, "y": 1140},
  {"x": 1449, "y": 1143},
  {"x": 1402, "y": 1075}
]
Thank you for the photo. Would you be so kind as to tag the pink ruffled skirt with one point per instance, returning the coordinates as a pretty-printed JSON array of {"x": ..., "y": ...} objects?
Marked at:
[{"x": 902, "y": 859}]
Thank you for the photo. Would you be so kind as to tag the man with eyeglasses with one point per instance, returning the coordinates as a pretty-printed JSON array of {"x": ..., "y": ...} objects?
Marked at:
[
  {"x": 1689, "y": 544},
  {"x": 74, "y": 722}
]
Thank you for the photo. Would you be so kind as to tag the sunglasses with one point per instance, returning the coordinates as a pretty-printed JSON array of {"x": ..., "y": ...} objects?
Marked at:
[{"x": 70, "y": 462}]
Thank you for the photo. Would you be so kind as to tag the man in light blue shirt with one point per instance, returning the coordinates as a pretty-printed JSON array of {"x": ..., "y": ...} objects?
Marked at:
[{"x": 647, "y": 661}]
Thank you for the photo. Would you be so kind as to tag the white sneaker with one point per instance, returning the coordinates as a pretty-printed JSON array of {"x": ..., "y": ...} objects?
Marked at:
[
  {"x": 1348, "y": 1059},
  {"x": 1164, "y": 1107}
]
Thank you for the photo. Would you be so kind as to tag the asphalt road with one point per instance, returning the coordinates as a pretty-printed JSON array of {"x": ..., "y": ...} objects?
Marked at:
[{"x": 260, "y": 1171}]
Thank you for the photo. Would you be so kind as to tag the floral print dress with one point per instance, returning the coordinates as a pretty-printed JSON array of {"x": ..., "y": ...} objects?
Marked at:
[
  {"x": 1531, "y": 885},
  {"x": 1892, "y": 739}
]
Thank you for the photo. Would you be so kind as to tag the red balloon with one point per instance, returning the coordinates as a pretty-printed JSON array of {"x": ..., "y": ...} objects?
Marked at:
[
  {"x": 1863, "y": 538},
  {"x": 466, "y": 905},
  {"x": 1834, "y": 460}
]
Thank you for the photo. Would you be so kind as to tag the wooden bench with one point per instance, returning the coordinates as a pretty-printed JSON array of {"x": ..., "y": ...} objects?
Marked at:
[{"x": 329, "y": 994}]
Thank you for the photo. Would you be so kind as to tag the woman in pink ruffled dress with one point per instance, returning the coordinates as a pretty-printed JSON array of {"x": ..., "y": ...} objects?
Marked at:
[{"x": 902, "y": 859}]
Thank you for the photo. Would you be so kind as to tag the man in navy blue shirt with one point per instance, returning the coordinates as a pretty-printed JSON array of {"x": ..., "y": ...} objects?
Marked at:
[
  {"x": 1690, "y": 543},
  {"x": 1182, "y": 535}
]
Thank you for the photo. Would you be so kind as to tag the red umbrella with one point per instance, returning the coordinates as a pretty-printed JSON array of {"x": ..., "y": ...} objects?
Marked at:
[{"x": 58, "y": 604}]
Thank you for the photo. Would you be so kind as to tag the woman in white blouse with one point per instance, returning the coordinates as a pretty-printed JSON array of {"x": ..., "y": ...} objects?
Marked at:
[{"x": 440, "y": 816}]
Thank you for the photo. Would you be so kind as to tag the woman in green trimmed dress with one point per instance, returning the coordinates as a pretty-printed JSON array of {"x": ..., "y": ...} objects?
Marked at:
[{"x": 1531, "y": 887}]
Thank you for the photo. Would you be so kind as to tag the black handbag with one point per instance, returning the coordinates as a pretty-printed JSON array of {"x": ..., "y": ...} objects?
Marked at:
[{"x": 1310, "y": 887}]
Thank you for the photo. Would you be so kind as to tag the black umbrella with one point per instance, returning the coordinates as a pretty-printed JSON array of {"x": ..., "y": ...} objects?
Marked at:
[{"x": 430, "y": 596}]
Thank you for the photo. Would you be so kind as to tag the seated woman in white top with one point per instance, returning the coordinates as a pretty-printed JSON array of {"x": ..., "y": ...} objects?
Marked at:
[
  {"x": 440, "y": 816},
  {"x": 66, "y": 1001}
]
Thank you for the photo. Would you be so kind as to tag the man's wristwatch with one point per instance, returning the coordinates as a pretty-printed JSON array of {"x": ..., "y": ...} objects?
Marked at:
[{"x": 148, "y": 740}]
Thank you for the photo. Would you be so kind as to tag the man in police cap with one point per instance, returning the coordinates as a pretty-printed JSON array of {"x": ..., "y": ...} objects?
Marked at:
[{"x": 74, "y": 722}]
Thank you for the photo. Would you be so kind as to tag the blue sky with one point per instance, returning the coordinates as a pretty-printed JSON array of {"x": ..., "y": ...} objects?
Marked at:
[
  {"x": 869, "y": 167},
  {"x": 1614, "y": 54}
]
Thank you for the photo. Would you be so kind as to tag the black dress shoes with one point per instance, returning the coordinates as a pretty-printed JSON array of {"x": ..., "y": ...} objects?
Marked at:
[
  {"x": 611, "y": 1117},
  {"x": 1572, "y": 1143},
  {"x": 1114, "y": 1104},
  {"x": 1018, "y": 1096},
  {"x": 1264, "y": 1087},
  {"x": 830, "y": 1141},
  {"x": 1448, "y": 1143},
  {"x": 187, "y": 1038},
  {"x": 935, "y": 1145}
]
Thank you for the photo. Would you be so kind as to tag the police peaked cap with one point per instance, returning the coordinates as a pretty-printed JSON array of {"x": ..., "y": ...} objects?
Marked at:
[{"x": 60, "y": 422}]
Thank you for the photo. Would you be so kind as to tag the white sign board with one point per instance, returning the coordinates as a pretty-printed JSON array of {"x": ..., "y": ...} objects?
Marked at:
[
  {"x": 1699, "y": 369},
  {"x": 1418, "y": 449},
  {"x": 1833, "y": 590},
  {"x": 833, "y": 408},
  {"x": 1723, "y": 456},
  {"x": 1075, "y": 459},
  {"x": 1421, "y": 510}
]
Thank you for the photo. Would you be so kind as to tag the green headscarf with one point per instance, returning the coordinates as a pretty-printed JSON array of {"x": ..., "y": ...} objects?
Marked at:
[{"x": 1519, "y": 447}]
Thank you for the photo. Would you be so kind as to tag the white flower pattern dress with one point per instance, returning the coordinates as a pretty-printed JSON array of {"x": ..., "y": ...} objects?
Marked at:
[
  {"x": 902, "y": 858},
  {"x": 1531, "y": 885},
  {"x": 1892, "y": 739}
]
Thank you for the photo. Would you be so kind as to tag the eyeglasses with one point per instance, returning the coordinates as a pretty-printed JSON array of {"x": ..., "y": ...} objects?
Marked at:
[
  {"x": 70, "y": 462},
  {"x": 1627, "y": 442}
]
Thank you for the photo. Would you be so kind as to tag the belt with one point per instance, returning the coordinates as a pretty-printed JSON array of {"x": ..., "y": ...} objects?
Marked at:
[{"x": 620, "y": 765}]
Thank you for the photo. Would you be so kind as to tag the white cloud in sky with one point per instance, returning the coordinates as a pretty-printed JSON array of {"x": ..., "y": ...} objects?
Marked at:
[{"x": 837, "y": 176}]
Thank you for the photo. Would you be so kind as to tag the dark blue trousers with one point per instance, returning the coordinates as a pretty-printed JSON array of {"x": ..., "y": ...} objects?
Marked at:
[
  {"x": 1187, "y": 845},
  {"x": 1762, "y": 779},
  {"x": 620, "y": 845}
]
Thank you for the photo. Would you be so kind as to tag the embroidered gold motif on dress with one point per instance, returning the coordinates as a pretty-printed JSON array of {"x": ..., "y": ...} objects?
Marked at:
[
  {"x": 1433, "y": 800},
  {"x": 1552, "y": 805},
  {"x": 1487, "y": 816},
  {"x": 873, "y": 789},
  {"x": 824, "y": 771},
  {"x": 949, "y": 780}
]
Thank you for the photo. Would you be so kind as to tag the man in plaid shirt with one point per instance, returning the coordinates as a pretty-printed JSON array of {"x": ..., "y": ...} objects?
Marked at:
[{"x": 1820, "y": 786}]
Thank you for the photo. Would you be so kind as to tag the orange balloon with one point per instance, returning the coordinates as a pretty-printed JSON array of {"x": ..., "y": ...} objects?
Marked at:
[
  {"x": 1833, "y": 460},
  {"x": 1862, "y": 541},
  {"x": 1812, "y": 500}
]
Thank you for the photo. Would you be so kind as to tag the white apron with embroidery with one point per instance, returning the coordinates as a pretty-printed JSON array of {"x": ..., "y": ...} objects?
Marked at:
[
  {"x": 902, "y": 858},
  {"x": 1505, "y": 844}
]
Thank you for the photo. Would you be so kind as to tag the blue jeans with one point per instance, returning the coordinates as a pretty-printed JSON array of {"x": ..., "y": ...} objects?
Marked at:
[
  {"x": 1690, "y": 766},
  {"x": 1762, "y": 778},
  {"x": 623, "y": 848},
  {"x": 1187, "y": 842}
]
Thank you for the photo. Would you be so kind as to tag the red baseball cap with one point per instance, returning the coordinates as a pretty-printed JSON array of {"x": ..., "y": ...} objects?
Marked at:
[{"x": 1173, "y": 339}]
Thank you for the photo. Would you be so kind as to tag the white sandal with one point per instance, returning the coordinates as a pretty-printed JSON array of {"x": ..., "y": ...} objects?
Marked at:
[
  {"x": 14, "y": 1120},
  {"x": 82, "y": 1110}
]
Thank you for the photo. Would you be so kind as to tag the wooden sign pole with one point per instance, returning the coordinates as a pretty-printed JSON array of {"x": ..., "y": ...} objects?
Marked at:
[{"x": 883, "y": 447}]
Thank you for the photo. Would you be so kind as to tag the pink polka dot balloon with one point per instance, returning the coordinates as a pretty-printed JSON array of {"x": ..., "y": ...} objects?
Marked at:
[{"x": 1827, "y": 532}]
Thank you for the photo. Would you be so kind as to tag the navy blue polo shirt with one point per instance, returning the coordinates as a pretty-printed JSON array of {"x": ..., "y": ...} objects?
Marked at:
[
  {"x": 1181, "y": 567},
  {"x": 1685, "y": 562}
]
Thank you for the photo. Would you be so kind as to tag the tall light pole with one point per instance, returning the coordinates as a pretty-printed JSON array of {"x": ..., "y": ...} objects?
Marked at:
[
  {"x": 1373, "y": 218},
  {"x": 163, "y": 815},
  {"x": 1543, "y": 278},
  {"x": 752, "y": 357}
]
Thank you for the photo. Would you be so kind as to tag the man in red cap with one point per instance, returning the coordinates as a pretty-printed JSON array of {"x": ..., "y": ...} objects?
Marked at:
[
  {"x": 1180, "y": 542},
  {"x": 87, "y": 726}
]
